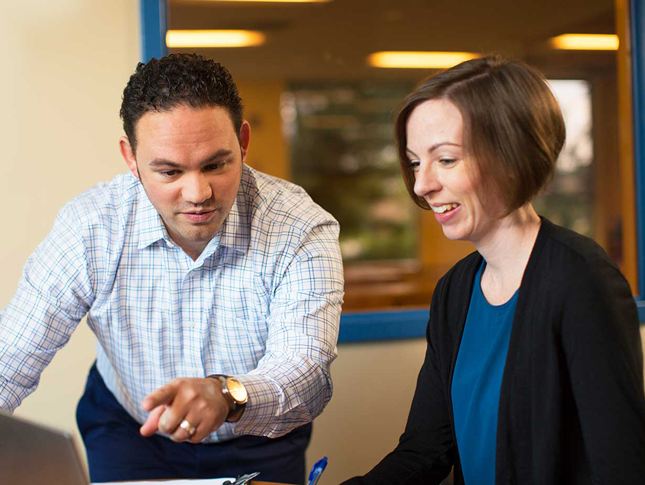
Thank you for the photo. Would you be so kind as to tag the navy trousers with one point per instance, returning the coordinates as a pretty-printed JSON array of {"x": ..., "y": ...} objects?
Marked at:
[{"x": 116, "y": 451}]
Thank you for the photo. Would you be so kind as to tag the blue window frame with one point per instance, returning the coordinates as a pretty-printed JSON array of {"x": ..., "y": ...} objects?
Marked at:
[
  {"x": 154, "y": 24},
  {"x": 637, "y": 24},
  {"x": 400, "y": 324}
]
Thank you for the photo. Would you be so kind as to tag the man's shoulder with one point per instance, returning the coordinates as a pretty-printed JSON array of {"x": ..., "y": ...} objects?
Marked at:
[
  {"x": 277, "y": 201},
  {"x": 104, "y": 202}
]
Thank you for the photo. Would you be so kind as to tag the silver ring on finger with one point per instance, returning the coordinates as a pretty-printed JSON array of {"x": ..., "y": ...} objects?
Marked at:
[{"x": 189, "y": 428}]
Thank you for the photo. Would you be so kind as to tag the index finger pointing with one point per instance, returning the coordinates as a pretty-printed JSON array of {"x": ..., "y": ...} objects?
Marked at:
[
  {"x": 151, "y": 425},
  {"x": 163, "y": 395}
]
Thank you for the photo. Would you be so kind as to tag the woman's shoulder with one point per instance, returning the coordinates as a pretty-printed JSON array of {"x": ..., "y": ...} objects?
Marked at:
[
  {"x": 566, "y": 259},
  {"x": 575, "y": 242},
  {"x": 574, "y": 272},
  {"x": 562, "y": 249}
]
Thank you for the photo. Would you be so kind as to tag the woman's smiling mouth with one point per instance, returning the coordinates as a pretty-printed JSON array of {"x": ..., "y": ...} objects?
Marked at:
[{"x": 440, "y": 209}]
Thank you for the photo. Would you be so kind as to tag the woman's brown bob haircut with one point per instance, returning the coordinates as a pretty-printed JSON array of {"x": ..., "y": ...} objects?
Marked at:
[{"x": 513, "y": 128}]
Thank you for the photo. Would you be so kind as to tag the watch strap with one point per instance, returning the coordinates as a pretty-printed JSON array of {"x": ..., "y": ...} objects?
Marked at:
[{"x": 236, "y": 408}]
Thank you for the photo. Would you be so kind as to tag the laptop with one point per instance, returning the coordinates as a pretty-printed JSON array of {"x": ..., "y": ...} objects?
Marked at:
[{"x": 36, "y": 455}]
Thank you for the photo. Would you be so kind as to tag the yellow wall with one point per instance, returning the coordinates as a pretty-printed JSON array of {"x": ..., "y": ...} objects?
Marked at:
[
  {"x": 65, "y": 64},
  {"x": 269, "y": 152},
  {"x": 373, "y": 388}
]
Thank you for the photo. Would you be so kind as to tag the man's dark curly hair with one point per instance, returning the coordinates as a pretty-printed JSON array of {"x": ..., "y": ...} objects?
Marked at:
[{"x": 178, "y": 79}]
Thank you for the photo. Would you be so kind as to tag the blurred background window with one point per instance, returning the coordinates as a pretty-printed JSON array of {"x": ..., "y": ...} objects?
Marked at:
[
  {"x": 321, "y": 112},
  {"x": 343, "y": 154},
  {"x": 569, "y": 200}
]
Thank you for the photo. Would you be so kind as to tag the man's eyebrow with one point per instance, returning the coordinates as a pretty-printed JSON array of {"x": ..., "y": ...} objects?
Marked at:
[
  {"x": 162, "y": 162},
  {"x": 221, "y": 153}
]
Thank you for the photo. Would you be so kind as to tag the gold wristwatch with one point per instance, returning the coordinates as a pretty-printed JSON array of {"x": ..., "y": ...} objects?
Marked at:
[{"x": 235, "y": 394}]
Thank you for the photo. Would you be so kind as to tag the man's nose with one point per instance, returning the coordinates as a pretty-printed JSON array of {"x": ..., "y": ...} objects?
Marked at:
[{"x": 197, "y": 189}]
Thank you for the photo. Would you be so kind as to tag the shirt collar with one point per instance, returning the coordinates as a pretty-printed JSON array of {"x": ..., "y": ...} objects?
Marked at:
[
  {"x": 148, "y": 224},
  {"x": 235, "y": 232}
]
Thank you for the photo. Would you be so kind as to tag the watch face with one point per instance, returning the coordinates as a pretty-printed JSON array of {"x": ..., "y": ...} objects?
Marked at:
[{"x": 237, "y": 390}]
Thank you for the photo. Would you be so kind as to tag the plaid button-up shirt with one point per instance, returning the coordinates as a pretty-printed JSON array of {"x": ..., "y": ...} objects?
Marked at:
[{"x": 262, "y": 302}]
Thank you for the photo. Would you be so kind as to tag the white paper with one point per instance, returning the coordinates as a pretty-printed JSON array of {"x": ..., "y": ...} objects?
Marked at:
[{"x": 210, "y": 481}]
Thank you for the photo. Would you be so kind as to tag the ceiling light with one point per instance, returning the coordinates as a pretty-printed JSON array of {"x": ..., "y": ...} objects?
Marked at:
[
  {"x": 214, "y": 38},
  {"x": 594, "y": 42},
  {"x": 269, "y": 1},
  {"x": 418, "y": 60}
]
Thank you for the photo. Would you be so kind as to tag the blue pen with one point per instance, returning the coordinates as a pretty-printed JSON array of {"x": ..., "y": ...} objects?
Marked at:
[{"x": 317, "y": 470}]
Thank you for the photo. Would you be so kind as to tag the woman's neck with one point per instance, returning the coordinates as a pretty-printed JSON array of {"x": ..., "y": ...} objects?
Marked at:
[{"x": 507, "y": 248}]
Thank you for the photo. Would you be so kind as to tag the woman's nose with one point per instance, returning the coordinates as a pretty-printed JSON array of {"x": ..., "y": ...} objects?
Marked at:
[{"x": 426, "y": 182}]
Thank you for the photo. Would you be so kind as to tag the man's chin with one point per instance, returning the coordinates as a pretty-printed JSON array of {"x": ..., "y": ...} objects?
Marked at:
[
  {"x": 193, "y": 234},
  {"x": 201, "y": 234}
]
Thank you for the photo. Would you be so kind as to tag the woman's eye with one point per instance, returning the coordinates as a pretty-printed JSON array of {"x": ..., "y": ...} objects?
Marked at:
[
  {"x": 414, "y": 165},
  {"x": 447, "y": 161}
]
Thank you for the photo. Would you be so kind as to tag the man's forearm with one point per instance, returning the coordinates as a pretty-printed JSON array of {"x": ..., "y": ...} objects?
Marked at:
[{"x": 283, "y": 396}]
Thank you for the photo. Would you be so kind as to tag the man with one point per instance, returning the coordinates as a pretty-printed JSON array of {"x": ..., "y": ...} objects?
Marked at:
[{"x": 214, "y": 292}]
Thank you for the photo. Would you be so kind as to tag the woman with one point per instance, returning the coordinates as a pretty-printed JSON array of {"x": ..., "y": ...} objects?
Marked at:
[{"x": 534, "y": 369}]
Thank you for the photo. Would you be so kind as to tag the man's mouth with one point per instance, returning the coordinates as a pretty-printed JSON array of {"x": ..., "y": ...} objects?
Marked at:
[
  {"x": 440, "y": 209},
  {"x": 199, "y": 216}
]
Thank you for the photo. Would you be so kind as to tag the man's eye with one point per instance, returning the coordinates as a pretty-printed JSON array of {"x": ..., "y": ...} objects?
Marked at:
[
  {"x": 215, "y": 166},
  {"x": 169, "y": 173}
]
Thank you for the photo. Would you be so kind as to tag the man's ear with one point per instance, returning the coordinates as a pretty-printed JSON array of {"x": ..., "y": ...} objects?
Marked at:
[
  {"x": 128, "y": 155},
  {"x": 245, "y": 139}
]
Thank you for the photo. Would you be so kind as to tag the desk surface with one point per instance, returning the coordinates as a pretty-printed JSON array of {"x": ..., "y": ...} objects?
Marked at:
[
  {"x": 267, "y": 483},
  {"x": 252, "y": 482}
]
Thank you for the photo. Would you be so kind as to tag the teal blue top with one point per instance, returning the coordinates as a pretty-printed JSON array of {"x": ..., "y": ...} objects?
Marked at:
[{"x": 477, "y": 381}]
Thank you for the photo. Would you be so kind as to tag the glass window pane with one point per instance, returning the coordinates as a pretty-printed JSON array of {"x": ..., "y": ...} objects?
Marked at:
[
  {"x": 343, "y": 155},
  {"x": 333, "y": 135}
]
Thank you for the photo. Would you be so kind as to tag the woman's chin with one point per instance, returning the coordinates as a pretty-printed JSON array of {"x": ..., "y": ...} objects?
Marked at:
[
  {"x": 454, "y": 237},
  {"x": 454, "y": 234}
]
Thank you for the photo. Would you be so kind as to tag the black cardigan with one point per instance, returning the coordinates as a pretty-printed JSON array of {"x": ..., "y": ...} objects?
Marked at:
[{"x": 571, "y": 409}]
